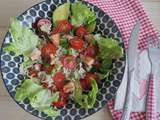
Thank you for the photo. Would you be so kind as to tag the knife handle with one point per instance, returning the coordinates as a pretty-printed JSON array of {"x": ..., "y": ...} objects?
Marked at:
[{"x": 129, "y": 96}]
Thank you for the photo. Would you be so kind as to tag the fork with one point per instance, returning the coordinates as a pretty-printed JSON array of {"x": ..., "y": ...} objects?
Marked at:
[{"x": 154, "y": 57}]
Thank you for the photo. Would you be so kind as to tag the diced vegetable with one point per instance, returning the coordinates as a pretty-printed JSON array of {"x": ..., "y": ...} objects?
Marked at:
[
  {"x": 64, "y": 43},
  {"x": 62, "y": 100},
  {"x": 91, "y": 51},
  {"x": 72, "y": 51},
  {"x": 62, "y": 26},
  {"x": 69, "y": 62},
  {"x": 48, "y": 49},
  {"x": 47, "y": 69},
  {"x": 59, "y": 80},
  {"x": 76, "y": 43},
  {"x": 81, "y": 31}
]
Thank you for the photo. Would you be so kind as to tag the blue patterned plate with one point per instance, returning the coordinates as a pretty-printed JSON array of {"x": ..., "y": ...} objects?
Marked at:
[{"x": 107, "y": 88}]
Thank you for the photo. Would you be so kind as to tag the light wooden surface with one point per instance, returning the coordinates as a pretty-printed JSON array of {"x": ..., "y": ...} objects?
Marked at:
[{"x": 9, "y": 8}]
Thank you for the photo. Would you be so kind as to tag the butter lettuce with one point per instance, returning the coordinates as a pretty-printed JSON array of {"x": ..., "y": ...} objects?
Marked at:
[
  {"x": 39, "y": 97},
  {"x": 87, "y": 101},
  {"x": 109, "y": 48},
  {"x": 82, "y": 15},
  {"x": 24, "y": 40}
]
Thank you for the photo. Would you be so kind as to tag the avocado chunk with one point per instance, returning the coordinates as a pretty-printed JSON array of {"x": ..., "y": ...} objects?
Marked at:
[{"x": 61, "y": 13}]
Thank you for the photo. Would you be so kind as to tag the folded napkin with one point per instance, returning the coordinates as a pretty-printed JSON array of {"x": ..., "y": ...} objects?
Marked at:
[
  {"x": 142, "y": 73},
  {"x": 125, "y": 13}
]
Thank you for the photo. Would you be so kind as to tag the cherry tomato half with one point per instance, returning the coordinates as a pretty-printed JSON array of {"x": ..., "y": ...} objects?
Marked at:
[
  {"x": 69, "y": 62},
  {"x": 59, "y": 103},
  {"x": 76, "y": 43},
  {"x": 62, "y": 101},
  {"x": 81, "y": 31},
  {"x": 62, "y": 26},
  {"x": 47, "y": 50},
  {"x": 59, "y": 80},
  {"x": 91, "y": 51},
  {"x": 48, "y": 70}
]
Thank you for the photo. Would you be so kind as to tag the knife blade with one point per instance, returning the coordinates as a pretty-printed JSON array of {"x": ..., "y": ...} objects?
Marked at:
[{"x": 132, "y": 57}]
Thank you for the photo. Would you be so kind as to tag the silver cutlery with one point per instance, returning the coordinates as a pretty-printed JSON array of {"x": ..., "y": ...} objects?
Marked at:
[
  {"x": 132, "y": 57},
  {"x": 154, "y": 57}
]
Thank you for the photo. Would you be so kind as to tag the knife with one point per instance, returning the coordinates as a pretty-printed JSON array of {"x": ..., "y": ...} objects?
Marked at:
[{"x": 132, "y": 57}]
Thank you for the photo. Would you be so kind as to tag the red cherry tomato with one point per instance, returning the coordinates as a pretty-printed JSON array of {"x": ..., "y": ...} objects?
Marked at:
[
  {"x": 81, "y": 31},
  {"x": 69, "y": 62},
  {"x": 91, "y": 51},
  {"x": 59, "y": 80},
  {"x": 47, "y": 50},
  {"x": 76, "y": 43},
  {"x": 32, "y": 72},
  {"x": 48, "y": 70},
  {"x": 86, "y": 81},
  {"x": 62, "y": 101},
  {"x": 59, "y": 103},
  {"x": 62, "y": 26}
]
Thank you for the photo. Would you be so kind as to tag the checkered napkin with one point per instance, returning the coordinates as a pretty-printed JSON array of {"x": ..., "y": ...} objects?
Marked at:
[
  {"x": 151, "y": 107},
  {"x": 125, "y": 13}
]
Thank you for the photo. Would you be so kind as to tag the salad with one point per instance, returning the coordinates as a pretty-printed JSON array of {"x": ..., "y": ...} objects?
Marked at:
[{"x": 63, "y": 58}]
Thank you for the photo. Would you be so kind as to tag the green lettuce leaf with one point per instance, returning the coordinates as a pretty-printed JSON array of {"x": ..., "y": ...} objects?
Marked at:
[
  {"x": 104, "y": 68},
  {"x": 91, "y": 27},
  {"x": 24, "y": 40},
  {"x": 86, "y": 100},
  {"x": 50, "y": 111},
  {"x": 82, "y": 15},
  {"x": 39, "y": 97},
  {"x": 27, "y": 88},
  {"x": 109, "y": 48}
]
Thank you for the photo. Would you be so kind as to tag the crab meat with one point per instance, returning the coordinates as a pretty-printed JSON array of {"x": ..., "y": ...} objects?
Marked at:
[
  {"x": 68, "y": 88},
  {"x": 52, "y": 59},
  {"x": 55, "y": 39},
  {"x": 89, "y": 38},
  {"x": 68, "y": 37},
  {"x": 88, "y": 60}
]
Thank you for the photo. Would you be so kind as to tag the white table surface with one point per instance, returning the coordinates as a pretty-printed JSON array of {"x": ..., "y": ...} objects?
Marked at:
[{"x": 10, "y": 8}]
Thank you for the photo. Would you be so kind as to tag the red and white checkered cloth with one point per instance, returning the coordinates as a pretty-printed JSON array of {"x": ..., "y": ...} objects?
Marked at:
[
  {"x": 151, "y": 103},
  {"x": 125, "y": 13}
]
